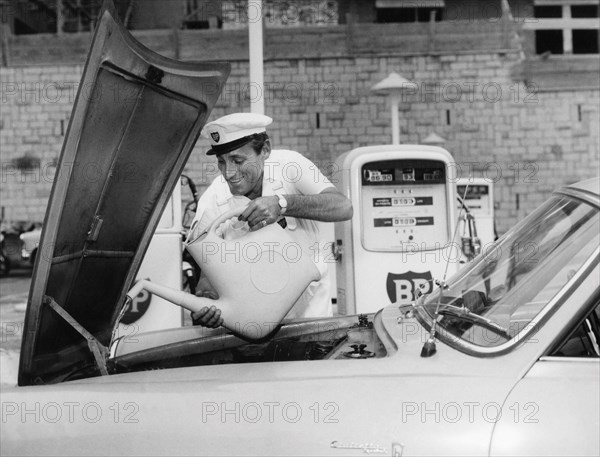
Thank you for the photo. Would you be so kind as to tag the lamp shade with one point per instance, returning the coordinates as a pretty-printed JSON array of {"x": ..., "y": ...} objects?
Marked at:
[
  {"x": 433, "y": 139},
  {"x": 394, "y": 83}
]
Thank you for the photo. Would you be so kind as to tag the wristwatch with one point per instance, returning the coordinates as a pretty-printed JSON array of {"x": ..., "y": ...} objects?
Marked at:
[{"x": 282, "y": 204}]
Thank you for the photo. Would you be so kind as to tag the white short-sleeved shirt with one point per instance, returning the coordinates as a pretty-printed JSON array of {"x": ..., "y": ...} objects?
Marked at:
[{"x": 286, "y": 172}]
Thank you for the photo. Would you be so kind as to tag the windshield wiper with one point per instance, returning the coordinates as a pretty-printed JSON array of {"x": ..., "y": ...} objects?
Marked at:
[{"x": 468, "y": 315}]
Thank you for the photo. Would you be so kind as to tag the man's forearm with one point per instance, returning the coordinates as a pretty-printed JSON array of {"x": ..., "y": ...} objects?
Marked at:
[{"x": 328, "y": 206}]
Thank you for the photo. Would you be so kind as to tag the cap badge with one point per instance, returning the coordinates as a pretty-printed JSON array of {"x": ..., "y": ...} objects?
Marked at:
[{"x": 215, "y": 136}]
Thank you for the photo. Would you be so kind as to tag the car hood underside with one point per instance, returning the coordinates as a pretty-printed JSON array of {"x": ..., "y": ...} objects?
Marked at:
[{"x": 135, "y": 121}]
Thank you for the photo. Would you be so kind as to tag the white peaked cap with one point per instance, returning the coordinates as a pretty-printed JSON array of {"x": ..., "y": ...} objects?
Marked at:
[{"x": 234, "y": 131}]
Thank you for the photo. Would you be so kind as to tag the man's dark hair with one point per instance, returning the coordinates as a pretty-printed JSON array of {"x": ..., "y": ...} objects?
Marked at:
[{"x": 258, "y": 141}]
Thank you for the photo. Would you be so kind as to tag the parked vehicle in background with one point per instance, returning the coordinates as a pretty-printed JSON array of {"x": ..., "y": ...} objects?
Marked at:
[
  {"x": 29, "y": 244},
  {"x": 20, "y": 250},
  {"x": 4, "y": 260},
  {"x": 20, "y": 240}
]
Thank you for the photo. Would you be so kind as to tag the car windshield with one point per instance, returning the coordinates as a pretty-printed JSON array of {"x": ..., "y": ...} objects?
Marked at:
[{"x": 501, "y": 293}]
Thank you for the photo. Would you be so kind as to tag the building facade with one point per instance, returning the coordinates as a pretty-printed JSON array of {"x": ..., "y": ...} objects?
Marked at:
[{"x": 510, "y": 110}]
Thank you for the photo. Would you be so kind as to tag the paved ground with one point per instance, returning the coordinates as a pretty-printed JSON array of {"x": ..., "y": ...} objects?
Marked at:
[{"x": 13, "y": 299}]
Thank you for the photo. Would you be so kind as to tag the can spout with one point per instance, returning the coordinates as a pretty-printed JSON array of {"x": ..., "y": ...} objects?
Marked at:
[{"x": 178, "y": 297}]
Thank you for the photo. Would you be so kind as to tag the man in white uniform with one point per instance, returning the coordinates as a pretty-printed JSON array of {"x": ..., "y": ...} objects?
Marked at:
[{"x": 279, "y": 186}]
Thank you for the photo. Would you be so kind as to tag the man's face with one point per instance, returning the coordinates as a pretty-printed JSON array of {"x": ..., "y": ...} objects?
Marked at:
[{"x": 243, "y": 170}]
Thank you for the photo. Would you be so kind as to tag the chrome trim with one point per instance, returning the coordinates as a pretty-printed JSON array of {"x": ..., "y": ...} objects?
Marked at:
[
  {"x": 588, "y": 197},
  {"x": 554, "y": 358}
]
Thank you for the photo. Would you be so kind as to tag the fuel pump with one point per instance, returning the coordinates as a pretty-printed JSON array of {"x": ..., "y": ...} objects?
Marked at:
[
  {"x": 476, "y": 226},
  {"x": 161, "y": 264},
  {"x": 400, "y": 238}
]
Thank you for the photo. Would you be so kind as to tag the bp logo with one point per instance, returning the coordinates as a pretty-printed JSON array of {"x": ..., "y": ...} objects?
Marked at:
[
  {"x": 138, "y": 307},
  {"x": 401, "y": 287}
]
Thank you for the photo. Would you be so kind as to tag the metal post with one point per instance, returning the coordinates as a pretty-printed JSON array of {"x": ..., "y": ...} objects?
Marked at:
[
  {"x": 255, "y": 44},
  {"x": 394, "y": 104},
  {"x": 79, "y": 24},
  {"x": 567, "y": 32},
  {"x": 60, "y": 19},
  {"x": 431, "y": 32},
  {"x": 6, "y": 60}
]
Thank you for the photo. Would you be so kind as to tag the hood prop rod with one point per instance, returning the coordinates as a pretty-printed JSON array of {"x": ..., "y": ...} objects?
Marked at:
[{"x": 99, "y": 351}]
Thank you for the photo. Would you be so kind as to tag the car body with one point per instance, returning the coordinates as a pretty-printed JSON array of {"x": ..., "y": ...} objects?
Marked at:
[
  {"x": 511, "y": 366},
  {"x": 4, "y": 260}
]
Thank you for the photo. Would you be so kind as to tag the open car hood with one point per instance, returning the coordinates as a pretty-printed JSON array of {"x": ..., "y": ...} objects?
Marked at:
[{"x": 134, "y": 123}]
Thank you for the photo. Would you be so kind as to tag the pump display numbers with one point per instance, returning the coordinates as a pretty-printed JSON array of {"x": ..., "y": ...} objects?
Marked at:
[
  {"x": 402, "y": 201},
  {"x": 403, "y": 172},
  {"x": 402, "y": 221},
  {"x": 407, "y": 174},
  {"x": 474, "y": 191},
  {"x": 379, "y": 175}
]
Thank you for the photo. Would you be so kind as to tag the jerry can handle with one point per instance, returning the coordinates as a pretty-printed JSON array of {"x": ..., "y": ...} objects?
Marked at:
[
  {"x": 212, "y": 228},
  {"x": 223, "y": 217}
]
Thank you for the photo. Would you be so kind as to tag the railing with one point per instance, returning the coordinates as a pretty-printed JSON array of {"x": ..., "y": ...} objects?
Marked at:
[
  {"x": 50, "y": 16},
  {"x": 356, "y": 39}
]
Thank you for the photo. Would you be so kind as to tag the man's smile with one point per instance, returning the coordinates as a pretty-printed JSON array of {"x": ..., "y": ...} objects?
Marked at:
[{"x": 235, "y": 180}]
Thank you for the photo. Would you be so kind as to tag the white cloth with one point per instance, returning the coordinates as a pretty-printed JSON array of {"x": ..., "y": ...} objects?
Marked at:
[{"x": 286, "y": 172}]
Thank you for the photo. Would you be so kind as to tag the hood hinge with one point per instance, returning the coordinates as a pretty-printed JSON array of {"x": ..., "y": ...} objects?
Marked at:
[
  {"x": 99, "y": 351},
  {"x": 92, "y": 234}
]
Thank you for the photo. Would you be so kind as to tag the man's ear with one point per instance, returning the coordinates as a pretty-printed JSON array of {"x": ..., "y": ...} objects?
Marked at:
[{"x": 266, "y": 149}]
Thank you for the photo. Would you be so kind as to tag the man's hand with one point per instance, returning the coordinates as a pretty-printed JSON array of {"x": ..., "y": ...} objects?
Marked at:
[
  {"x": 328, "y": 206},
  {"x": 261, "y": 212},
  {"x": 208, "y": 317}
]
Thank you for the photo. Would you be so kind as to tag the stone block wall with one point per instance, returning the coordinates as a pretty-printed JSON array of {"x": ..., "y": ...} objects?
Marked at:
[
  {"x": 527, "y": 139},
  {"x": 35, "y": 106},
  {"x": 280, "y": 14}
]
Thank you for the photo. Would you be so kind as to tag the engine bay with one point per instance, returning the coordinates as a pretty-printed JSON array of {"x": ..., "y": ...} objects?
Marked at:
[{"x": 348, "y": 337}]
